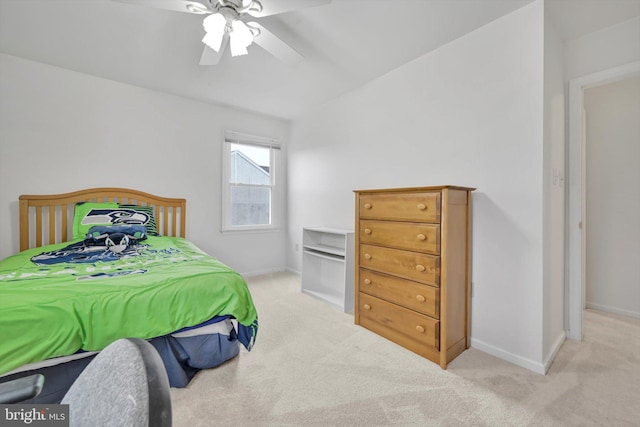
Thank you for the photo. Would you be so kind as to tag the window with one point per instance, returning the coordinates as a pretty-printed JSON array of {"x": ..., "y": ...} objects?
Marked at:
[{"x": 249, "y": 179}]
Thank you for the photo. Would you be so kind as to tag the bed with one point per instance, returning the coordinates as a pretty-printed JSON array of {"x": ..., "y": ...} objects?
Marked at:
[{"x": 101, "y": 264}]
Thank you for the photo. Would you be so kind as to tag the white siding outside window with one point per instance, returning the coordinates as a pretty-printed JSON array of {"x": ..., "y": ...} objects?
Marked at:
[{"x": 250, "y": 194}]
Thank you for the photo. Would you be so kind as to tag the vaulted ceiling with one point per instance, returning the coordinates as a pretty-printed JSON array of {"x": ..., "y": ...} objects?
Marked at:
[{"x": 345, "y": 44}]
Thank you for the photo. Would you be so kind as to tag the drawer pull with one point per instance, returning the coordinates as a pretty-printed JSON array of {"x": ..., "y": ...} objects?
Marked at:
[
  {"x": 367, "y": 307},
  {"x": 367, "y": 256},
  {"x": 420, "y": 329},
  {"x": 367, "y": 205},
  {"x": 422, "y": 206},
  {"x": 421, "y": 237},
  {"x": 367, "y": 281},
  {"x": 420, "y": 267},
  {"x": 367, "y": 231},
  {"x": 421, "y": 298}
]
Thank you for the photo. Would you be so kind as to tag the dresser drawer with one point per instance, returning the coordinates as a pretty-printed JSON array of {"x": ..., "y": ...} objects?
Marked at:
[
  {"x": 398, "y": 323},
  {"x": 402, "y": 235},
  {"x": 409, "y": 265},
  {"x": 415, "y": 296},
  {"x": 418, "y": 207}
]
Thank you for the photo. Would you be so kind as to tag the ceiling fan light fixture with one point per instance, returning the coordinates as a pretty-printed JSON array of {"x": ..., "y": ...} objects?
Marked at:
[
  {"x": 240, "y": 38},
  {"x": 215, "y": 27}
]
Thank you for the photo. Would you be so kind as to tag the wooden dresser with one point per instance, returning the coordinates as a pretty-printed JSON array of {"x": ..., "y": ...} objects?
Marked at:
[{"x": 412, "y": 268}]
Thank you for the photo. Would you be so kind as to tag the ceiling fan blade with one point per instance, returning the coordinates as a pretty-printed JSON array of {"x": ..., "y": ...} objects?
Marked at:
[
  {"x": 188, "y": 6},
  {"x": 273, "y": 7},
  {"x": 210, "y": 56},
  {"x": 275, "y": 46}
]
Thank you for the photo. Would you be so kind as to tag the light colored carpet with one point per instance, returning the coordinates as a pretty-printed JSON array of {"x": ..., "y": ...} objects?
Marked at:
[{"x": 311, "y": 366}]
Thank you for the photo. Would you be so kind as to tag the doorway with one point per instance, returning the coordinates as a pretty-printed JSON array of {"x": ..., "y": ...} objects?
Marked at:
[{"x": 576, "y": 220}]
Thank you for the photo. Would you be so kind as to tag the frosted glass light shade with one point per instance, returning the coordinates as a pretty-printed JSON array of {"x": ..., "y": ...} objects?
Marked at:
[
  {"x": 240, "y": 38},
  {"x": 214, "y": 25}
]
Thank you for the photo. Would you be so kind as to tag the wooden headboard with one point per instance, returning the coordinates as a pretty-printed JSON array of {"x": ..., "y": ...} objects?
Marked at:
[{"x": 47, "y": 219}]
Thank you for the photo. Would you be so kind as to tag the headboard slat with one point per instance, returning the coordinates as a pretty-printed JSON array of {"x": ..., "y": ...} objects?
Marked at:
[
  {"x": 38, "y": 225},
  {"x": 174, "y": 222},
  {"x": 31, "y": 206},
  {"x": 24, "y": 224},
  {"x": 52, "y": 223},
  {"x": 65, "y": 220}
]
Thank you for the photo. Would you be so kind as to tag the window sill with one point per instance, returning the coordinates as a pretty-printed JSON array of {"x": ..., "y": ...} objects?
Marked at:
[{"x": 249, "y": 230}]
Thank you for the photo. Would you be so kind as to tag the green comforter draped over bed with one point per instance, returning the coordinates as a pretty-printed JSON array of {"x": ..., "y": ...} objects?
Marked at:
[{"x": 55, "y": 310}]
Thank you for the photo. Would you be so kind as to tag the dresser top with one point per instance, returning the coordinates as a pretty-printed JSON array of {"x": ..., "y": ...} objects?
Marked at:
[{"x": 415, "y": 189}]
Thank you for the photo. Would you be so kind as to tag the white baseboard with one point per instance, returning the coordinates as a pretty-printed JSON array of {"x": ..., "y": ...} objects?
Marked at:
[
  {"x": 557, "y": 345},
  {"x": 261, "y": 272},
  {"x": 539, "y": 368},
  {"x": 291, "y": 270},
  {"x": 270, "y": 271},
  {"x": 529, "y": 364},
  {"x": 613, "y": 310}
]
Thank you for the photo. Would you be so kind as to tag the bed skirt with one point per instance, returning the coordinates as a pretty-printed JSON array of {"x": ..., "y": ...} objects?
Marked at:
[{"x": 183, "y": 354}]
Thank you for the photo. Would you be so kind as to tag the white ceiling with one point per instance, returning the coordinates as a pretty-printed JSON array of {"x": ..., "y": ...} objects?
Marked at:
[{"x": 345, "y": 44}]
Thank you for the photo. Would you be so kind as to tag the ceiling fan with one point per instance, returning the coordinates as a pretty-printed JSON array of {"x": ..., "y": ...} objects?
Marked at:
[{"x": 225, "y": 24}]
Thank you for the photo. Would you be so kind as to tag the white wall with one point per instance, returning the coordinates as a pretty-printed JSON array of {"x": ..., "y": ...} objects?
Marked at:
[
  {"x": 62, "y": 131},
  {"x": 601, "y": 50},
  {"x": 612, "y": 281},
  {"x": 469, "y": 113},
  {"x": 554, "y": 193}
]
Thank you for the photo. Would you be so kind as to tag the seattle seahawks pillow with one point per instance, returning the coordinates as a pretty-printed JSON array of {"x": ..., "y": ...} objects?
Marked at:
[
  {"x": 111, "y": 213},
  {"x": 88, "y": 214},
  {"x": 145, "y": 212}
]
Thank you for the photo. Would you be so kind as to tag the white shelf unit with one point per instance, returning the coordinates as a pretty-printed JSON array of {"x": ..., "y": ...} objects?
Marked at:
[{"x": 327, "y": 265}]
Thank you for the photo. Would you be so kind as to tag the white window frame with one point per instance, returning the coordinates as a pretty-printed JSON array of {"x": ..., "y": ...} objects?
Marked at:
[{"x": 233, "y": 137}]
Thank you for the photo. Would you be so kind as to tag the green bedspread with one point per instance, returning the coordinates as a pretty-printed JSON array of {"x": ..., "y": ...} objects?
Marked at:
[{"x": 56, "y": 310}]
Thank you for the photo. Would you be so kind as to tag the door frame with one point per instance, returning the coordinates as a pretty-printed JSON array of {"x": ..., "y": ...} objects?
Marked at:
[{"x": 576, "y": 218}]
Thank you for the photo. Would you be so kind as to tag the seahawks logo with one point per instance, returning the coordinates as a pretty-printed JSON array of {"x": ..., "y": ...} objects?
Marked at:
[{"x": 115, "y": 216}]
